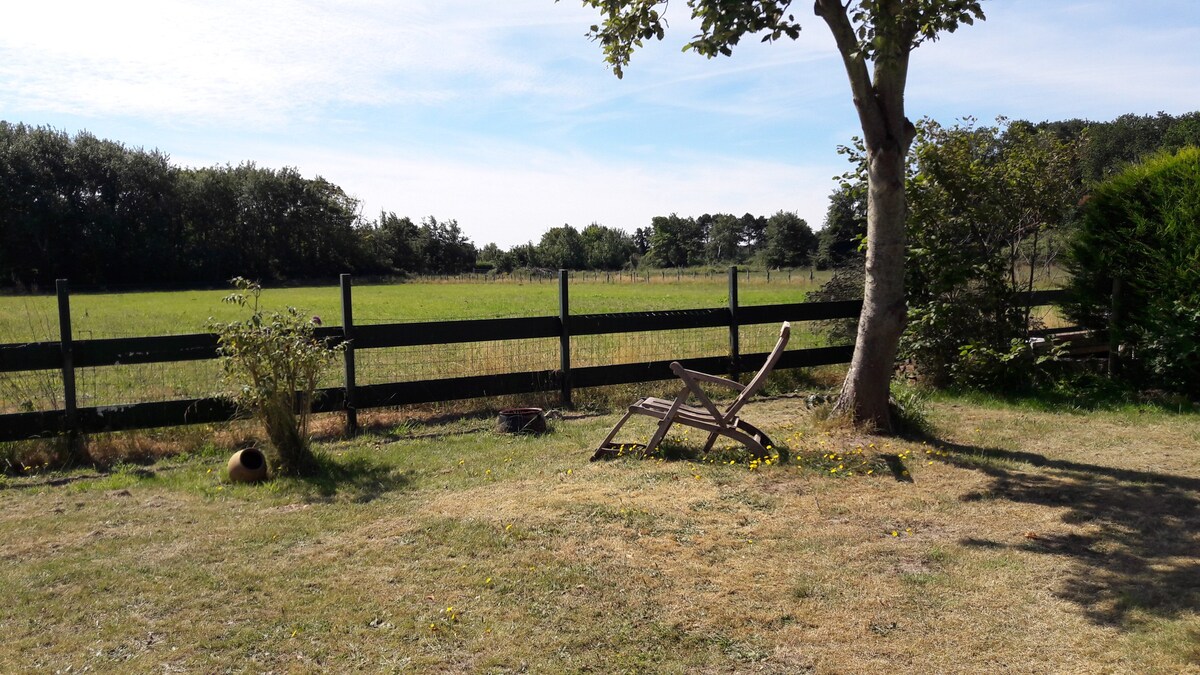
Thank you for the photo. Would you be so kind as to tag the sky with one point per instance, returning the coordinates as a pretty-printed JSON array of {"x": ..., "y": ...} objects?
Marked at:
[{"x": 503, "y": 116}]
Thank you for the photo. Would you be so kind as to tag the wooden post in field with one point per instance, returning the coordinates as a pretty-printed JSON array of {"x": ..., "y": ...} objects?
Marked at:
[
  {"x": 348, "y": 336},
  {"x": 734, "y": 346},
  {"x": 564, "y": 340},
  {"x": 70, "y": 403}
]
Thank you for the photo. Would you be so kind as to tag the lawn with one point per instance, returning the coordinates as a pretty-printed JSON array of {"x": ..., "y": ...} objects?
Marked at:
[{"x": 1026, "y": 541}]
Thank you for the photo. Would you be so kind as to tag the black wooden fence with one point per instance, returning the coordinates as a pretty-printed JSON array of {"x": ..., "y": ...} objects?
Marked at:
[{"x": 68, "y": 355}]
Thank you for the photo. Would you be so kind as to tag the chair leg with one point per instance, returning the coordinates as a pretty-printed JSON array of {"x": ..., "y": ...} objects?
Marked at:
[
  {"x": 604, "y": 447},
  {"x": 712, "y": 439},
  {"x": 659, "y": 434}
]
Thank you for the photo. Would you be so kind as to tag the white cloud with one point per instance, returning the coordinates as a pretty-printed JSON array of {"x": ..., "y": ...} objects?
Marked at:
[{"x": 258, "y": 64}]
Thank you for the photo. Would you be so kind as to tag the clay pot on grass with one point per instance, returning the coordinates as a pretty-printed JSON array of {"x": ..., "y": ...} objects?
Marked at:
[{"x": 248, "y": 465}]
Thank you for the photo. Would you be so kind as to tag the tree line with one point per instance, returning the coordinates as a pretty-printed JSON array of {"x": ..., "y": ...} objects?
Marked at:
[
  {"x": 781, "y": 240},
  {"x": 98, "y": 212}
]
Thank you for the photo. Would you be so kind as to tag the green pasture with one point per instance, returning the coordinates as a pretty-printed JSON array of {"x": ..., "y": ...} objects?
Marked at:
[{"x": 98, "y": 315}]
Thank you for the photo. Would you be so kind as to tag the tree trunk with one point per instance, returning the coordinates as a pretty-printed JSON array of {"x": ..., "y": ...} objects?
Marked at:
[{"x": 865, "y": 392}]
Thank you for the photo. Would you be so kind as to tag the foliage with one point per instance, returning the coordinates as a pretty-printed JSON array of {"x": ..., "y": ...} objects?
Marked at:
[
  {"x": 844, "y": 234},
  {"x": 1140, "y": 229},
  {"x": 274, "y": 360},
  {"x": 790, "y": 241},
  {"x": 984, "y": 201},
  {"x": 1110, "y": 147},
  {"x": 676, "y": 241}
]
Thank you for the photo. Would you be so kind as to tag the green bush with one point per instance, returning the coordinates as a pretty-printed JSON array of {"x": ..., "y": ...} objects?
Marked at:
[
  {"x": 273, "y": 362},
  {"x": 1141, "y": 228}
]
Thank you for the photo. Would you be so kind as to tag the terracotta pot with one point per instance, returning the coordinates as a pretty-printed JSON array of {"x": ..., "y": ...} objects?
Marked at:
[{"x": 247, "y": 466}]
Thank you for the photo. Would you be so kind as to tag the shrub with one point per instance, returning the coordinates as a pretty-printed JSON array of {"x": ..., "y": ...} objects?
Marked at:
[
  {"x": 273, "y": 362},
  {"x": 1141, "y": 228}
]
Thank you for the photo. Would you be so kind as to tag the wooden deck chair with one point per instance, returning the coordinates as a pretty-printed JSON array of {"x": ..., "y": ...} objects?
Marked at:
[{"x": 706, "y": 415}]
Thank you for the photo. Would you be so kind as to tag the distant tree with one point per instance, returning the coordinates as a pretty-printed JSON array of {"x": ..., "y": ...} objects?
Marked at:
[
  {"x": 641, "y": 240},
  {"x": 754, "y": 232},
  {"x": 790, "y": 241},
  {"x": 724, "y": 239},
  {"x": 562, "y": 248},
  {"x": 844, "y": 233},
  {"x": 874, "y": 39},
  {"x": 675, "y": 241},
  {"x": 606, "y": 248},
  {"x": 443, "y": 248},
  {"x": 492, "y": 256},
  {"x": 400, "y": 238}
]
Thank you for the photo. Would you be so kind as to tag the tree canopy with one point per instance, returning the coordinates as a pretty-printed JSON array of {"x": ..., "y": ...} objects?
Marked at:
[{"x": 874, "y": 39}]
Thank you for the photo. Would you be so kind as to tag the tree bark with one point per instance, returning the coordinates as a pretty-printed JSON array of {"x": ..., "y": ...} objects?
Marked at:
[
  {"x": 865, "y": 392},
  {"x": 887, "y": 135}
]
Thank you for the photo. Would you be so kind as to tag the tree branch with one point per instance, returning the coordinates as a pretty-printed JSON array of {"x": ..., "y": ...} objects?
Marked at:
[{"x": 861, "y": 88}]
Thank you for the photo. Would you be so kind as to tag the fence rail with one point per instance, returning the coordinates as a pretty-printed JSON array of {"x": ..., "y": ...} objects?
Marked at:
[{"x": 69, "y": 355}]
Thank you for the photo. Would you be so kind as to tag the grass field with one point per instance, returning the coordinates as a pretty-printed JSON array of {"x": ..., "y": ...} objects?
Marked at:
[
  {"x": 33, "y": 318},
  {"x": 1028, "y": 541},
  {"x": 99, "y": 315}
]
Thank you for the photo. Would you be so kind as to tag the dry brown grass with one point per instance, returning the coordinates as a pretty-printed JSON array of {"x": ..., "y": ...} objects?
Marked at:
[{"x": 1027, "y": 542}]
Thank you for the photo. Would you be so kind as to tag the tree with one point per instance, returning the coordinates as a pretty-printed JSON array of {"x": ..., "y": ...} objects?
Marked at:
[
  {"x": 1139, "y": 231},
  {"x": 790, "y": 241},
  {"x": 606, "y": 248},
  {"x": 675, "y": 241},
  {"x": 986, "y": 204},
  {"x": 874, "y": 39},
  {"x": 724, "y": 238},
  {"x": 845, "y": 228},
  {"x": 562, "y": 248}
]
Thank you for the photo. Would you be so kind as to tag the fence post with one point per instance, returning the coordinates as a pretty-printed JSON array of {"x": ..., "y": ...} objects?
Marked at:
[
  {"x": 348, "y": 336},
  {"x": 734, "y": 346},
  {"x": 564, "y": 340},
  {"x": 70, "y": 403}
]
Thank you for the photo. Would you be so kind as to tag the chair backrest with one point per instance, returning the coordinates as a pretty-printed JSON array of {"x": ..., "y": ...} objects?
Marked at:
[{"x": 760, "y": 378}]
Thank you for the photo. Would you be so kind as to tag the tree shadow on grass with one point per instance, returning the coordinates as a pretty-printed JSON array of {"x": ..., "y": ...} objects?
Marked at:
[
  {"x": 354, "y": 479},
  {"x": 1140, "y": 554}
]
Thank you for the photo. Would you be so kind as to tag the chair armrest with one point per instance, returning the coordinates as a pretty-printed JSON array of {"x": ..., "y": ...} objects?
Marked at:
[
  {"x": 689, "y": 378},
  {"x": 678, "y": 369}
]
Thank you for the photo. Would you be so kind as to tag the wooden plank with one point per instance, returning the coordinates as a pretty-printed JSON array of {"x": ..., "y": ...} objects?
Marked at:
[
  {"x": 451, "y": 332},
  {"x": 156, "y": 414},
  {"x": 800, "y": 311},
  {"x": 30, "y": 356},
  {"x": 430, "y": 391},
  {"x": 157, "y": 349},
  {"x": 29, "y": 425},
  {"x": 1046, "y": 297},
  {"x": 637, "y": 322}
]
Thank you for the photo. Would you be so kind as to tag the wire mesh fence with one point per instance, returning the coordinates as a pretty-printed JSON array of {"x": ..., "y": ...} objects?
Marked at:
[{"x": 431, "y": 362}]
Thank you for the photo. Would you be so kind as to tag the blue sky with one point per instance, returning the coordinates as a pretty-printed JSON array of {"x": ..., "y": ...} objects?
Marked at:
[{"x": 502, "y": 115}]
